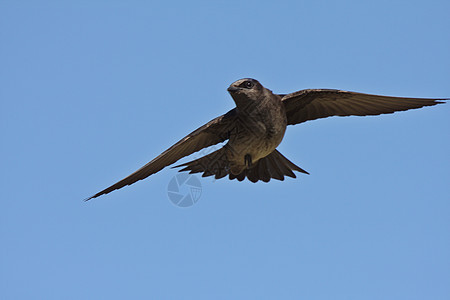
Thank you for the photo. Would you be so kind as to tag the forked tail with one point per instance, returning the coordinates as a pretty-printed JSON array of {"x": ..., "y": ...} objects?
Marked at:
[{"x": 274, "y": 165}]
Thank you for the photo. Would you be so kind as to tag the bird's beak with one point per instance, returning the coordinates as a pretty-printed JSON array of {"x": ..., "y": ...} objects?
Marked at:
[{"x": 233, "y": 89}]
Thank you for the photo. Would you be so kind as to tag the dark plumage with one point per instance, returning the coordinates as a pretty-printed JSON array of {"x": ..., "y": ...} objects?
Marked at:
[{"x": 256, "y": 127}]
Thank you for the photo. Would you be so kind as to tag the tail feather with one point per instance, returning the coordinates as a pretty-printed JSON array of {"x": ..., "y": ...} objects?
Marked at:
[
  {"x": 215, "y": 163},
  {"x": 284, "y": 164},
  {"x": 275, "y": 166},
  {"x": 275, "y": 172},
  {"x": 264, "y": 171},
  {"x": 290, "y": 165},
  {"x": 239, "y": 177}
]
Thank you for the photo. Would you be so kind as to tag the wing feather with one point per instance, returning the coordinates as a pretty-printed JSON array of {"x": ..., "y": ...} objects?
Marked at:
[
  {"x": 312, "y": 104},
  {"x": 213, "y": 132}
]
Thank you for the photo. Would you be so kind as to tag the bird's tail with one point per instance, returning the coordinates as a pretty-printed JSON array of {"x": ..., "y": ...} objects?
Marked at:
[{"x": 274, "y": 165}]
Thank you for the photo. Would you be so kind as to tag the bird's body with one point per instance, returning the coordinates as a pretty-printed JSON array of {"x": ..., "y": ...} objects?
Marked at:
[
  {"x": 256, "y": 127},
  {"x": 257, "y": 133}
]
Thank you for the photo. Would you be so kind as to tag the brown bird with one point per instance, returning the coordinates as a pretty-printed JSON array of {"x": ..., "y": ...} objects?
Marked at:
[{"x": 256, "y": 127}]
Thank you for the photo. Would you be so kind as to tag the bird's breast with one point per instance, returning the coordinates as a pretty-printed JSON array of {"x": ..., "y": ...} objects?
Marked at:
[{"x": 257, "y": 134}]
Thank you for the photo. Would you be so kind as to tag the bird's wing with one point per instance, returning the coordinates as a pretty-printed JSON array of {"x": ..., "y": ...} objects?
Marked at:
[
  {"x": 213, "y": 132},
  {"x": 314, "y": 104}
]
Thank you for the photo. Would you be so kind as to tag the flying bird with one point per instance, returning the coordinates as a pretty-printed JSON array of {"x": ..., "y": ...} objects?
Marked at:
[{"x": 255, "y": 128}]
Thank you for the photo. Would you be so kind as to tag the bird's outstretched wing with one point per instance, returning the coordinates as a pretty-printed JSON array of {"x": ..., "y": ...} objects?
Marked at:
[
  {"x": 213, "y": 132},
  {"x": 314, "y": 104}
]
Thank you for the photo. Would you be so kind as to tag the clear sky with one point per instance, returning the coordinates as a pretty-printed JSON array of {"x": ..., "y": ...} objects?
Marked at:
[{"x": 92, "y": 90}]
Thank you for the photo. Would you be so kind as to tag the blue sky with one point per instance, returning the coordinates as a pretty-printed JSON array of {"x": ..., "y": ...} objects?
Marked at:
[{"x": 92, "y": 90}]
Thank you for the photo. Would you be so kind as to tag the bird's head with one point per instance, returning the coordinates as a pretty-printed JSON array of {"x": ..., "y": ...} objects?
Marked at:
[{"x": 247, "y": 91}]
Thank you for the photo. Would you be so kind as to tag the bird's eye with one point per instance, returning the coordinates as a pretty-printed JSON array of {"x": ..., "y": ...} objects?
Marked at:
[{"x": 248, "y": 84}]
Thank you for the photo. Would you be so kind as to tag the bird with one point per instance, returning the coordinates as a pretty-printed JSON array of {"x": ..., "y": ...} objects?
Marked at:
[{"x": 256, "y": 126}]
